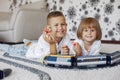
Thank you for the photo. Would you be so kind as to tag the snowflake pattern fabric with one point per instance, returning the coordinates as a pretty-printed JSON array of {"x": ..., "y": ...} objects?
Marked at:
[{"x": 105, "y": 11}]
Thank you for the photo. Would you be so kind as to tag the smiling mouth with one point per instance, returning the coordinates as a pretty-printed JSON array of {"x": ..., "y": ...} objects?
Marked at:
[
  {"x": 88, "y": 36},
  {"x": 60, "y": 31}
]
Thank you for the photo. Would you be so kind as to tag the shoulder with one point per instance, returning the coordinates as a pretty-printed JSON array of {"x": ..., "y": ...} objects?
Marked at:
[
  {"x": 97, "y": 43},
  {"x": 40, "y": 38},
  {"x": 42, "y": 41}
]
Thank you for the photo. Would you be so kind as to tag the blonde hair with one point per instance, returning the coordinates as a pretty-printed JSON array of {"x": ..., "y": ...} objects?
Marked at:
[{"x": 89, "y": 23}]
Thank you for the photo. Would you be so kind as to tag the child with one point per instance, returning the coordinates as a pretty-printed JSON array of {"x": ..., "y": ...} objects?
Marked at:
[
  {"x": 54, "y": 39},
  {"x": 89, "y": 35}
]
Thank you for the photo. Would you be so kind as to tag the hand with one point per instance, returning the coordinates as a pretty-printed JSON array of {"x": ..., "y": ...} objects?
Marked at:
[
  {"x": 77, "y": 48},
  {"x": 47, "y": 30},
  {"x": 65, "y": 49},
  {"x": 47, "y": 36}
]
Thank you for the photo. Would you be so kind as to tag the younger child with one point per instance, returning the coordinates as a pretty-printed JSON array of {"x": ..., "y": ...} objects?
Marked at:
[
  {"x": 89, "y": 35},
  {"x": 54, "y": 39}
]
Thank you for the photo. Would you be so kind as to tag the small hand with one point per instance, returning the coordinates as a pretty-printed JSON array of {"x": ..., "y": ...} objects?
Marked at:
[
  {"x": 65, "y": 49},
  {"x": 74, "y": 44},
  {"x": 77, "y": 48},
  {"x": 47, "y": 36},
  {"x": 46, "y": 30}
]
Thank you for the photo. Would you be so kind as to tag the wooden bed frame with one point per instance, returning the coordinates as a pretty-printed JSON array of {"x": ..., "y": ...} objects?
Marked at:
[
  {"x": 106, "y": 41},
  {"x": 110, "y": 42}
]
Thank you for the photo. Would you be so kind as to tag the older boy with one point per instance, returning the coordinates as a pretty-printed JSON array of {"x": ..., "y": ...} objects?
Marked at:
[{"x": 54, "y": 39}]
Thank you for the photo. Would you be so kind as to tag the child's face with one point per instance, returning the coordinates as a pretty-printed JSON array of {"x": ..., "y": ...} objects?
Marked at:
[
  {"x": 58, "y": 26},
  {"x": 89, "y": 34}
]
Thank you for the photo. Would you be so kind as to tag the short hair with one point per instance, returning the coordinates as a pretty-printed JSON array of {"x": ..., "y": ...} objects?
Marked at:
[
  {"x": 89, "y": 23},
  {"x": 54, "y": 14}
]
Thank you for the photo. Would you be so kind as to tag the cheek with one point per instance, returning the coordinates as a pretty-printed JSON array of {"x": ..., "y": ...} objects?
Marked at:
[
  {"x": 53, "y": 31},
  {"x": 95, "y": 34},
  {"x": 65, "y": 28},
  {"x": 83, "y": 33}
]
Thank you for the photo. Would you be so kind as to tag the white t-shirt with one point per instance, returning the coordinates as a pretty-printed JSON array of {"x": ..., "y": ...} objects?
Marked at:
[
  {"x": 94, "y": 50},
  {"x": 42, "y": 48}
]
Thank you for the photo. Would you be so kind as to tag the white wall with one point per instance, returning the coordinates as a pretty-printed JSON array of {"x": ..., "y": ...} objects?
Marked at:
[{"x": 4, "y": 6}]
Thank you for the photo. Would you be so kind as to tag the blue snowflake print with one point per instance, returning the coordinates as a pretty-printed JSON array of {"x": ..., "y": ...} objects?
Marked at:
[
  {"x": 106, "y": 36},
  {"x": 110, "y": 33},
  {"x": 97, "y": 16},
  {"x": 113, "y": 39},
  {"x": 108, "y": 8},
  {"x": 98, "y": 10},
  {"x": 94, "y": 2},
  {"x": 112, "y": 1},
  {"x": 74, "y": 29},
  {"x": 60, "y": 8},
  {"x": 106, "y": 19},
  {"x": 118, "y": 26},
  {"x": 119, "y": 7},
  {"x": 86, "y": 12},
  {"x": 84, "y": 7},
  {"x": 54, "y": 7},
  {"x": 71, "y": 12},
  {"x": 62, "y": 1}
]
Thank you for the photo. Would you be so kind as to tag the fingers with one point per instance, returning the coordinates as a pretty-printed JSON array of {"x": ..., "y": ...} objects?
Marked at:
[
  {"x": 46, "y": 31},
  {"x": 74, "y": 43},
  {"x": 65, "y": 49},
  {"x": 49, "y": 38}
]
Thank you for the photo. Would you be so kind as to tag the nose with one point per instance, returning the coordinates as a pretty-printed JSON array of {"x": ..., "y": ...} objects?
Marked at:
[
  {"x": 89, "y": 32},
  {"x": 60, "y": 27}
]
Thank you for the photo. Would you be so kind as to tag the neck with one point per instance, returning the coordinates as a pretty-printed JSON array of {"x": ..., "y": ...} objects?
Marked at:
[
  {"x": 87, "y": 45},
  {"x": 58, "y": 40}
]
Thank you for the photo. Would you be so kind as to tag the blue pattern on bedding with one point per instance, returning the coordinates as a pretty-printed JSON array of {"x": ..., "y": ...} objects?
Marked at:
[{"x": 16, "y": 50}]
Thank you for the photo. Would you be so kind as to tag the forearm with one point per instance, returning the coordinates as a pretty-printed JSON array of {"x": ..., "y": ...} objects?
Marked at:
[
  {"x": 79, "y": 51},
  {"x": 53, "y": 49},
  {"x": 79, "y": 54}
]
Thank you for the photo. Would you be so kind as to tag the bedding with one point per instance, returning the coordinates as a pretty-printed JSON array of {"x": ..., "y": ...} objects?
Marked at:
[
  {"x": 21, "y": 70},
  {"x": 31, "y": 69}
]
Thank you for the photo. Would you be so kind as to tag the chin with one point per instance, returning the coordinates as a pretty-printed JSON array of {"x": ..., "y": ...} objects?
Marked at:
[
  {"x": 90, "y": 40},
  {"x": 61, "y": 36}
]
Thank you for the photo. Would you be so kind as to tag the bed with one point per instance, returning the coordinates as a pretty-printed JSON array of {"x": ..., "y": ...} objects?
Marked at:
[{"x": 32, "y": 69}]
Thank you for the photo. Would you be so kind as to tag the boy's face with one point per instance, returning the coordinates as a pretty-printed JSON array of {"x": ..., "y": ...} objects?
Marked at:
[
  {"x": 89, "y": 34},
  {"x": 58, "y": 26}
]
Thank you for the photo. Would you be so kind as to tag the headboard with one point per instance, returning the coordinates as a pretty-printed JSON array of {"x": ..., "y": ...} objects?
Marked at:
[
  {"x": 110, "y": 42},
  {"x": 109, "y": 46}
]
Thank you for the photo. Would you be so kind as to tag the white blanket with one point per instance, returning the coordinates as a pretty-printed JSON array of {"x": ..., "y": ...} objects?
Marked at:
[{"x": 26, "y": 69}]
